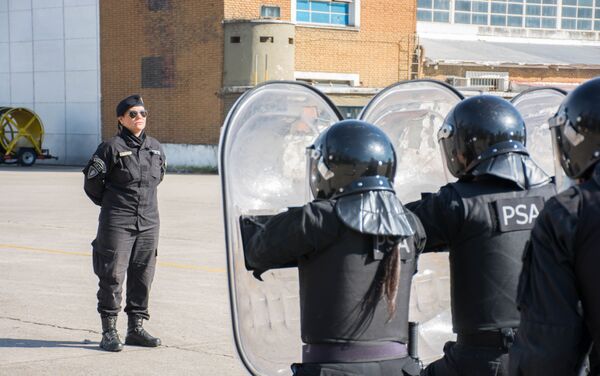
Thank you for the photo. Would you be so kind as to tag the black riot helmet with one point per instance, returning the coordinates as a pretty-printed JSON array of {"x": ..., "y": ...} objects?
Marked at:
[
  {"x": 576, "y": 129},
  {"x": 480, "y": 128},
  {"x": 351, "y": 156}
]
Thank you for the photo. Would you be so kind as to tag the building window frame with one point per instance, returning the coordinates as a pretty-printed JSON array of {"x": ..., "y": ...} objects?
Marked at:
[
  {"x": 317, "y": 8},
  {"x": 270, "y": 11},
  {"x": 346, "y": 79},
  {"x": 434, "y": 10},
  {"x": 577, "y": 13},
  {"x": 529, "y": 14}
]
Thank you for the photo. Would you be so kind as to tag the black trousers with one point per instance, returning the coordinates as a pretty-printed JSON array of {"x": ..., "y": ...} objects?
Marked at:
[
  {"x": 396, "y": 367},
  {"x": 118, "y": 252},
  {"x": 469, "y": 360}
]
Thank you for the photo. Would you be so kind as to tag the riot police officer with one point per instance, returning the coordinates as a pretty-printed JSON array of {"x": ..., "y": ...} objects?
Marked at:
[
  {"x": 483, "y": 220},
  {"x": 356, "y": 248},
  {"x": 122, "y": 177},
  {"x": 559, "y": 297}
]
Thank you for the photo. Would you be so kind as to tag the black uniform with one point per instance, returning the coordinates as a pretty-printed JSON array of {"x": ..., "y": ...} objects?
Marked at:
[
  {"x": 338, "y": 266},
  {"x": 484, "y": 224},
  {"x": 122, "y": 178},
  {"x": 559, "y": 296}
]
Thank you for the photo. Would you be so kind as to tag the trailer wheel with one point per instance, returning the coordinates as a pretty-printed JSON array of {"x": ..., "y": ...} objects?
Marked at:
[{"x": 26, "y": 157}]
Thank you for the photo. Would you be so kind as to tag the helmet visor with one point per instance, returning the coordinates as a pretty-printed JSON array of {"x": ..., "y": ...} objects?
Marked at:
[
  {"x": 562, "y": 167},
  {"x": 443, "y": 137}
]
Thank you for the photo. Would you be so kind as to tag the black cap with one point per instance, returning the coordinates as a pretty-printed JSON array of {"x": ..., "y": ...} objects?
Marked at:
[{"x": 127, "y": 103}]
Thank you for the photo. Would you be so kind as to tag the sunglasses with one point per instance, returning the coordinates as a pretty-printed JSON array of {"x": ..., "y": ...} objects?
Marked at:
[{"x": 133, "y": 114}]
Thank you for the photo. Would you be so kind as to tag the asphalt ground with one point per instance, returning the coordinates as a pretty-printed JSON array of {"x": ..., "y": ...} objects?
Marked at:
[{"x": 48, "y": 319}]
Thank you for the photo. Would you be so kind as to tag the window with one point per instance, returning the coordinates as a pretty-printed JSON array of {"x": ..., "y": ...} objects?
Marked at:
[
  {"x": 156, "y": 5},
  {"x": 433, "y": 10},
  {"x": 514, "y": 21},
  {"x": 520, "y": 13},
  {"x": 462, "y": 18},
  {"x": 498, "y": 20},
  {"x": 549, "y": 23},
  {"x": 534, "y": 14},
  {"x": 336, "y": 12},
  {"x": 549, "y": 11},
  {"x": 270, "y": 11},
  {"x": 479, "y": 19},
  {"x": 157, "y": 72},
  {"x": 475, "y": 12},
  {"x": 515, "y": 9},
  {"x": 584, "y": 25},
  {"x": 579, "y": 14},
  {"x": 568, "y": 23}
]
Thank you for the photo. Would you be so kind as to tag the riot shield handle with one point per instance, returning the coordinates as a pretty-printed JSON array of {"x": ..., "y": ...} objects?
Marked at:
[{"x": 413, "y": 340}]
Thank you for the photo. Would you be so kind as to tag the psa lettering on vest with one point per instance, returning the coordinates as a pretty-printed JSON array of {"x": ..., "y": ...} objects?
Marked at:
[
  {"x": 382, "y": 244},
  {"x": 516, "y": 214}
]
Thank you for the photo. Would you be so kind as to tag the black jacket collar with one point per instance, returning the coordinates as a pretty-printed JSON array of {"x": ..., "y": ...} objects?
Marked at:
[{"x": 132, "y": 140}]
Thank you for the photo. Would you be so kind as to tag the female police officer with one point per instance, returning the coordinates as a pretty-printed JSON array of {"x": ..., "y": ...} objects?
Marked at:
[
  {"x": 356, "y": 247},
  {"x": 122, "y": 177}
]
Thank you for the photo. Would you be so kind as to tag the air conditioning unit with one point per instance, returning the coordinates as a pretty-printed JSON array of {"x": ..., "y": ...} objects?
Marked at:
[{"x": 490, "y": 81}]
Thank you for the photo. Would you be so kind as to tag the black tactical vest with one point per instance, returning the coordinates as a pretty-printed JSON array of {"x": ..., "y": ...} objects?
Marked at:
[
  {"x": 336, "y": 283},
  {"x": 586, "y": 247},
  {"x": 589, "y": 215},
  {"x": 485, "y": 257}
]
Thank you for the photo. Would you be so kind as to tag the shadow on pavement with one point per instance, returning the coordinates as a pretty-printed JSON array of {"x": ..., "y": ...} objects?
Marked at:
[{"x": 31, "y": 343}]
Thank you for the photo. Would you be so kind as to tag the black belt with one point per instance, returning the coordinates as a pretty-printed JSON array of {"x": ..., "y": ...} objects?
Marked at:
[
  {"x": 502, "y": 338},
  {"x": 352, "y": 352}
]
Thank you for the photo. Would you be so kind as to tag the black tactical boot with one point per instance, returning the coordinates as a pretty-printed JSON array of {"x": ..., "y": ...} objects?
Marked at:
[
  {"x": 110, "y": 337},
  {"x": 137, "y": 336}
]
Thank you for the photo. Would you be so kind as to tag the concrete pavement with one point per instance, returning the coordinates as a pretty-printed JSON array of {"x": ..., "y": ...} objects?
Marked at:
[{"x": 48, "y": 319}]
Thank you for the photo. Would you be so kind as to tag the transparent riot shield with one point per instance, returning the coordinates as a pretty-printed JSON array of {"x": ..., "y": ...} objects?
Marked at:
[
  {"x": 537, "y": 106},
  {"x": 411, "y": 112},
  {"x": 263, "y": 171}
]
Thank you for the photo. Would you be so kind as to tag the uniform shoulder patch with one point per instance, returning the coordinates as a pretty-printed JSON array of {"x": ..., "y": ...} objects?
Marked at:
[
  {"x": 92, "y": 173},
  {"x": 96, "y": 167}
]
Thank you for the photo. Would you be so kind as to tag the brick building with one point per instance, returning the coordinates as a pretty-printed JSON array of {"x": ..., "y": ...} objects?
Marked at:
[
  {"x": 191, "y": 59},
  {"x": 71, "y": 61},
  {"x": 510, "y": 45}
]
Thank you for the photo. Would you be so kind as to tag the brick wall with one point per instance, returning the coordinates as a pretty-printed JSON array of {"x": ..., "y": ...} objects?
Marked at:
[
  {"x": 379, "y": 50},
  {"x": 522, "y": 75},
  {"x": 188, "y": 33}
]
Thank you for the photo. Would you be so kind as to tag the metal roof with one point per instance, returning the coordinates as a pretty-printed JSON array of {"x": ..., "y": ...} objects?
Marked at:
[{"x": 480, "y": 52}]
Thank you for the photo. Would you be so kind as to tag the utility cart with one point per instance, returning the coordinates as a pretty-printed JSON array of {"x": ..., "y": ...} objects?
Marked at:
[{"x": 21, "y": 137}]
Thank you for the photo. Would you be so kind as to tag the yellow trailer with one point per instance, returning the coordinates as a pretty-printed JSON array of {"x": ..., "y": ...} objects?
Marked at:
[{"x": 21, "y": 136}]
